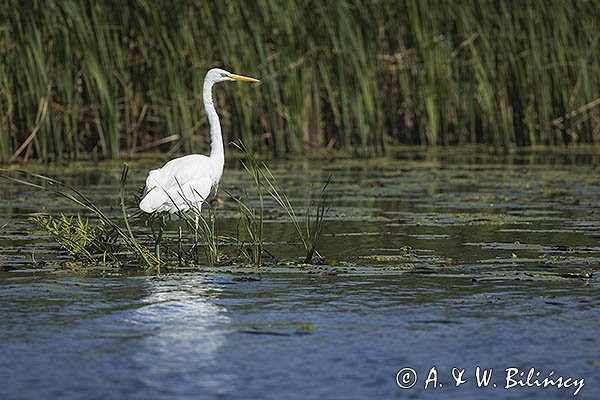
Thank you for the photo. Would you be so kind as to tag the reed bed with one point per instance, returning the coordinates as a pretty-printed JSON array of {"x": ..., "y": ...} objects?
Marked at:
[{"x": 111, "y": 79}]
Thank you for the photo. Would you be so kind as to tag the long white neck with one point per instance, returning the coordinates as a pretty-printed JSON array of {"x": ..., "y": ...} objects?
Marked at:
[{"x": 217, "y": 152}]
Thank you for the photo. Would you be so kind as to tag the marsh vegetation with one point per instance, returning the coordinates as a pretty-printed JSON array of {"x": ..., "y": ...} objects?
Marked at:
[
  {"x": 111, "y": 80},
  {"x": 405, "y": 260},
  {"x": 443, "y": 212},
  {"x": 98, "y": 239}
]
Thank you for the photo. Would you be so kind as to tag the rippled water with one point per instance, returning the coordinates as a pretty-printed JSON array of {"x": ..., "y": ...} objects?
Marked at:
[{"x": 445, "y": 262}]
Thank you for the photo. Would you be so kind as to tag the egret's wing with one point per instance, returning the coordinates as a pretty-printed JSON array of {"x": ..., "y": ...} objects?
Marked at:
[
  {"x": 165, "y": 186},
  {"x": 192, "y": 194},
  {"x": 182, "y": 170}
]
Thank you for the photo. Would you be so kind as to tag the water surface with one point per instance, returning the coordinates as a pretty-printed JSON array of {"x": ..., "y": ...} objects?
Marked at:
[{"x": 443, "y": 261}]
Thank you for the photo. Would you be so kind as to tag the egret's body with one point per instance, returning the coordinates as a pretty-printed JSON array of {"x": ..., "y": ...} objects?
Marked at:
[{"x": 187, "y": 181}]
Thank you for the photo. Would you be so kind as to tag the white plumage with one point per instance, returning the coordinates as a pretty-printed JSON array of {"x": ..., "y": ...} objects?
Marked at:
[
  {"x": 187, "y": 181},
  {"x": 180, "y": 183}
]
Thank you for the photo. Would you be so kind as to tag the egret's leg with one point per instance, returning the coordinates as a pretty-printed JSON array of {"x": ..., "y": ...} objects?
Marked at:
[
  {"x": 161, "y": 227},
  {"x": 196, "y": 224},
  {"x": 179, "y": 248}
]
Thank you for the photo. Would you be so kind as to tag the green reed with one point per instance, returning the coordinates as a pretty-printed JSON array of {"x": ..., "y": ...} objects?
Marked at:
[
  {"x": 250, "y": 239},
  {"x": 109, "y": 79},
  {"x": 308, "y": 233},
  {"x": 205, "y": 232},
  {"x": 250, "y": 232}
]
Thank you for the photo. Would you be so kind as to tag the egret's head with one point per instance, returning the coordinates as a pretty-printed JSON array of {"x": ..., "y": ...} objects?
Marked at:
[{"x": 216, "y": 75}]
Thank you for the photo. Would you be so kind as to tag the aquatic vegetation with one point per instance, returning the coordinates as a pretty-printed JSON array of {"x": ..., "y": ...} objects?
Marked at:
[
  {"x": 414, "y": 223},
  {"x": 309, "y": 233},
  {"x": 157, "y": 224},
  {"x": 82, "y": 78},
  {"x": 93, "y": 243},
  {"x": 65, "y": 225},
  {"x": 314, "y": 224},
  {"x": 140, "y": 250},
  {"x": 111, "y": 240},
  {"x": 249, "y": 237},
  {"x": 205, "y": 232}
]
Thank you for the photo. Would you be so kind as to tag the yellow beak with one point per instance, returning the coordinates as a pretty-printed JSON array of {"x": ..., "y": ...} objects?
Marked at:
[{"x": 242, "y": 78}]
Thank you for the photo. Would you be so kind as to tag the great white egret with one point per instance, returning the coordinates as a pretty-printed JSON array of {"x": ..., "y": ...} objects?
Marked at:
[{"x": 187, "y": 181}]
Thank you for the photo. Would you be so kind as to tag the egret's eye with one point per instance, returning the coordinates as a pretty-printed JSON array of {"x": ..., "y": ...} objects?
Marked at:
[{"x": 223, "y": 75}]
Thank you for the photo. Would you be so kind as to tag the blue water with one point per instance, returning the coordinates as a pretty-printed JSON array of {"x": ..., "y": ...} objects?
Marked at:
[
  {"x": 196, "y": 336},
  {"x": 435, "y": 265}
]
